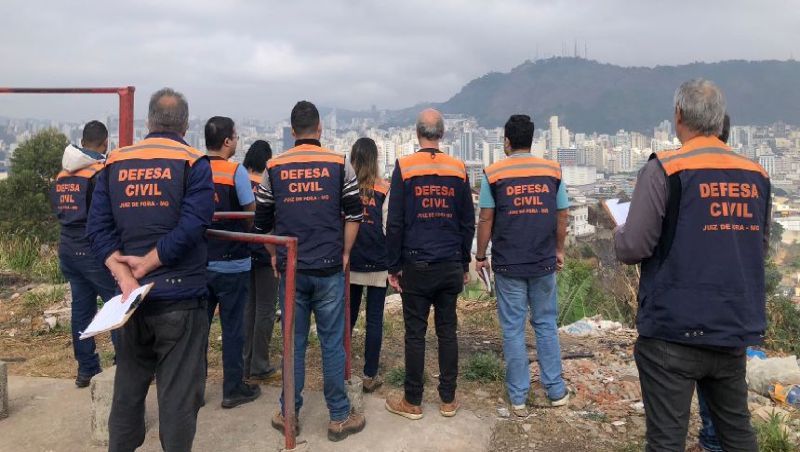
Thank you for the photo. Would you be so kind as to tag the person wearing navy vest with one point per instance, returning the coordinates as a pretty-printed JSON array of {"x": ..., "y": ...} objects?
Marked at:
[
  {"x": 698, "y": 224},
  {"x": 88, "y": 278},
  {"x": 229, "y": 261},
  {"x": 150, "y": 210},
  {"x": 429, "y": 235},
  {"x": 304, "y": 193},
  {"x": 524, "y": 211},
  {"x": 368, "y": 261},
  {"x": 259, "y": 313}
]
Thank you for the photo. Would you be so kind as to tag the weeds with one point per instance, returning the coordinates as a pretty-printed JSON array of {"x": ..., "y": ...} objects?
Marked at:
[
  {"x": 484, "y": 367},
  {"x": 396, "y": 377},
  {"x": 783, "y": 327},
  {"x": 773, "y": 436},
  {"x": 36, "y": 301},
  {"x": 30, "y": 257}
]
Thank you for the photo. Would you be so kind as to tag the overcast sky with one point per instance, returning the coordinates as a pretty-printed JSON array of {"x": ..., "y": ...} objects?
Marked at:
[{"x": 256, "y": 58}]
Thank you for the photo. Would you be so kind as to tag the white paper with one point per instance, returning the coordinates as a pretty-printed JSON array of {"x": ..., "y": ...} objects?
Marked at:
[
  {"x": 487, "y": 283},
  {"x": 618, "y": 210},
  {"x": 113, "y": 314}
]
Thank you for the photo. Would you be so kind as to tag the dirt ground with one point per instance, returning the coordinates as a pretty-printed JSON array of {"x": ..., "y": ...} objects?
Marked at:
[{"x": 604, "y": 414}]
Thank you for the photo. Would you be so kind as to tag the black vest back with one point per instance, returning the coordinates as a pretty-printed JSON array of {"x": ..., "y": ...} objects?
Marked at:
[
  {"x": 705, "y": 282},
  {"x": 369, "y": 251},
  {"x": 70, "y": 197},
  {"x": 226, "y": 200}
]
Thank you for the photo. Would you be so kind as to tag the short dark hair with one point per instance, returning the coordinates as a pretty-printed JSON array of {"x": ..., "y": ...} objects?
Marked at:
[
  {"x": 305, "y": 118},
  {"x": 726, "y": 129},
  {"x": 519, "y": 131},
  {"x": 258, "y": 154},
  {"x": 94, "y": 133},
  {"x": 218, "y": 128}
]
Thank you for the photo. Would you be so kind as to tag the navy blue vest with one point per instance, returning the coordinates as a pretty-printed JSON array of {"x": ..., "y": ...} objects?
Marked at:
[
  {"x": 260, "y": 256},
  {"x": 226, "y": 200},
  {"x": 70, "y": 197},
  {"x": 432, "y": 182},
  {"x": 704, "y": 284},
  {"x": 146, "y": 184},
  {"x": 369, "y": 251},
  {"x": 307, "y": 183},
  {"x": 525, "y": 220}
]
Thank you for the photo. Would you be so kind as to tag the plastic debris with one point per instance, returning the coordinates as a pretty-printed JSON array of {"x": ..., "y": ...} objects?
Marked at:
[{"x": 590, "y": 326}]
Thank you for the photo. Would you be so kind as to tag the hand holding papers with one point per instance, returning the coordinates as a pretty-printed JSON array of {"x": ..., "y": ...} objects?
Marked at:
[
  {"x": 617, "y": 210},
  {"x": 115, "y": 312}
]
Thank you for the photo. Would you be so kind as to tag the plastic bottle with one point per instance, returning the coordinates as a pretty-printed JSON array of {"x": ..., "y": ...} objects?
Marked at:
[{"x": 789, "y": 395}]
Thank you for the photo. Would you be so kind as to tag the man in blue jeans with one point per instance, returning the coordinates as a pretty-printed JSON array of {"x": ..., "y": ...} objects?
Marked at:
[
  {"x": 229, "y": 261},
  {"x": 88, "y": 278},
  {"x": 524, "y": 212},
  {"x": 303, "y": 194}
]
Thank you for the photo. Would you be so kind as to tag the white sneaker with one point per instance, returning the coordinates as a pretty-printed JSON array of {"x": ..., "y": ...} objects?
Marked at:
[{"x": 559, "y": 402}]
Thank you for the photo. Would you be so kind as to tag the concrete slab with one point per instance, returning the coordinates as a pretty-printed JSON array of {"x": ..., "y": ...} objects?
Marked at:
[
  {"x": 51, "y": 414},
  {"x": 3, "y": 390}
]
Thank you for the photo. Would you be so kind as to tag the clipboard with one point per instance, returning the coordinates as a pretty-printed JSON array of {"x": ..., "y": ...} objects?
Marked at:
[
  {"x": 618, "y": 211},
  {"x": 115, "y": 312}
]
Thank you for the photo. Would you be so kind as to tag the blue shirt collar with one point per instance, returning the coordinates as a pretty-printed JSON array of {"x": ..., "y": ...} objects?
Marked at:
[
  {"x": 168, "y": 135},
  {"x": 93, "y": 154}
]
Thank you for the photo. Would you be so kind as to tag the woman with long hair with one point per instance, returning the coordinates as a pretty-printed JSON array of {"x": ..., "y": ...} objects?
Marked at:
[
  {"x": 368, "y": 259},
  {"x": 259, "y": 314}
]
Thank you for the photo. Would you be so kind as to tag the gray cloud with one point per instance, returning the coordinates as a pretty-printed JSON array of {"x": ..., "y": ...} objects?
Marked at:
[{"x": 255, "y": 59}]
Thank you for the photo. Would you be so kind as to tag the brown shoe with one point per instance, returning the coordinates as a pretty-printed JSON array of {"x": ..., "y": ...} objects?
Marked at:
[
  {"x": 339, "y": 430},
  {"x": 399, "y": 406},
  {"x": 371, "y": 384},
  {"x": 449, "y": 409},
  {"x": 278, "y": 423}
]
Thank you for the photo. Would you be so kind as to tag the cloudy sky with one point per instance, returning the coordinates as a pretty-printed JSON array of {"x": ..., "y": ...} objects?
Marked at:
[{"x": 256, "y": 58}]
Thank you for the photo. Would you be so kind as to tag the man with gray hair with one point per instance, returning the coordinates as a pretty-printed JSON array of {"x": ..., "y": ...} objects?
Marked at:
[
  {"x": 698, "y": 224},
  {"x": 429, "y": 233},
  {"x": 150, "y": 210}
]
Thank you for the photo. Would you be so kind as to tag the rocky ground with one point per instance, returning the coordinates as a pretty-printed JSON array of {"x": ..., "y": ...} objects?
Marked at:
[{"x": 605, "y": 412}]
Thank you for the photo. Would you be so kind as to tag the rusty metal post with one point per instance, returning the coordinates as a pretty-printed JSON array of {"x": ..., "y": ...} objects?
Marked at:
[
  {"x": 288, "y": 345},
  {"x": 347, "y": 330},
  {"x": 126, "y": 116}
]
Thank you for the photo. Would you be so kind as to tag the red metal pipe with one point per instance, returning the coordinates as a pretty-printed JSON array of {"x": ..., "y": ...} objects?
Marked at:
[
  {"x": 126, "y": 116},
  {"x": 125, "y": 104},
  {"x": 287, "y": 320},
  {"x": 288, "y": 345},
  {"x": 234, "y": 215},
  {"x": 348, "y": 364}
]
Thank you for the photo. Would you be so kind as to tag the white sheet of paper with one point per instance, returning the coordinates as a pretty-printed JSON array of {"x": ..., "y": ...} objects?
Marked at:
[
  {"x": 618, "y": 210},
  {"x": 113, "y": 313}
]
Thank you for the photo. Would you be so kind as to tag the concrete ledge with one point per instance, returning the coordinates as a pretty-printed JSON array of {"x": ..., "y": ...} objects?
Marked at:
[
  {"x": 3, "y": 390},
  {"x": 102, "y": 395}
]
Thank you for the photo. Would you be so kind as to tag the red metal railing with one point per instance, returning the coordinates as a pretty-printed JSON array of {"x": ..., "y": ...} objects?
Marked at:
[
  {"x": 288, "y": 315},
  {"x": 125, "y": 104}
]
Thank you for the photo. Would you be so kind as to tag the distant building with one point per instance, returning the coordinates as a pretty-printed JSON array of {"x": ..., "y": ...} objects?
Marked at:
[
  {"x": 288, "y": 139},
  {"x": 567, "y": 156},
  {"x": 768, "y": 162},
  {"x": 575, "y": 176},
  {"x": 555, "y": 134},
  {"x": 579, "y": 221}
]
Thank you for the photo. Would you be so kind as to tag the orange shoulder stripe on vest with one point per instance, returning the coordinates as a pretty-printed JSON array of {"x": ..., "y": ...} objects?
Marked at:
[
  {"x": 381, "y": 187},
  {"x": 709, "y": 158},
  {"x": 87, "y": 172},
  {"x": 522, "y": 167},
  {"x": 327, "y": 157},
  {"x": 223, "y": 171},
  {"x": 156, "y": 148},
  {"x": 426, "y": 164}
]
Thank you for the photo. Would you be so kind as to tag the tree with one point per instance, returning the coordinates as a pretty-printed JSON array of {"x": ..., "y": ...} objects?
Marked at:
[{"x": 24, "y": 196}]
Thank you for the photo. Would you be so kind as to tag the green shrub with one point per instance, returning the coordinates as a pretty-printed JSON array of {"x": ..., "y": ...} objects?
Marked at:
[
  {"x": 484, "y": 367},
  {"x": 783, "y": 324},
  {"x": 28, "y": 256},
  {"x": 36, "y": 301},
  {"x": 772, "y": 436},
  {"x": 396, "y": 377}
]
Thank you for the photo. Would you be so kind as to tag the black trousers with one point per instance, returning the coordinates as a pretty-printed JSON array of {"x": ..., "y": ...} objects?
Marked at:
[
  {"x": 668, "y": 373},
  {"x": 425, "y": 285},
  {"x": 170, "y": 346}
]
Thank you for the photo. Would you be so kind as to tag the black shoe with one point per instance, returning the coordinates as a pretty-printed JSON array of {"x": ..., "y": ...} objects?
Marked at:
[
  {"x": 83, "y": 380},
  {"x": 244, "y": 393}
]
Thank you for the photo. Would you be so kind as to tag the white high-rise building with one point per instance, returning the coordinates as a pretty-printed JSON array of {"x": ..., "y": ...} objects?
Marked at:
[
  {"x": 555, "y": 134},
  {"x": 564, "y": 136}
]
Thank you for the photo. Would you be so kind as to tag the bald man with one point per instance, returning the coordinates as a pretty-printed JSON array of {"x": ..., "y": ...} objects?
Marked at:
[{"x": 429, "y": 233}]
